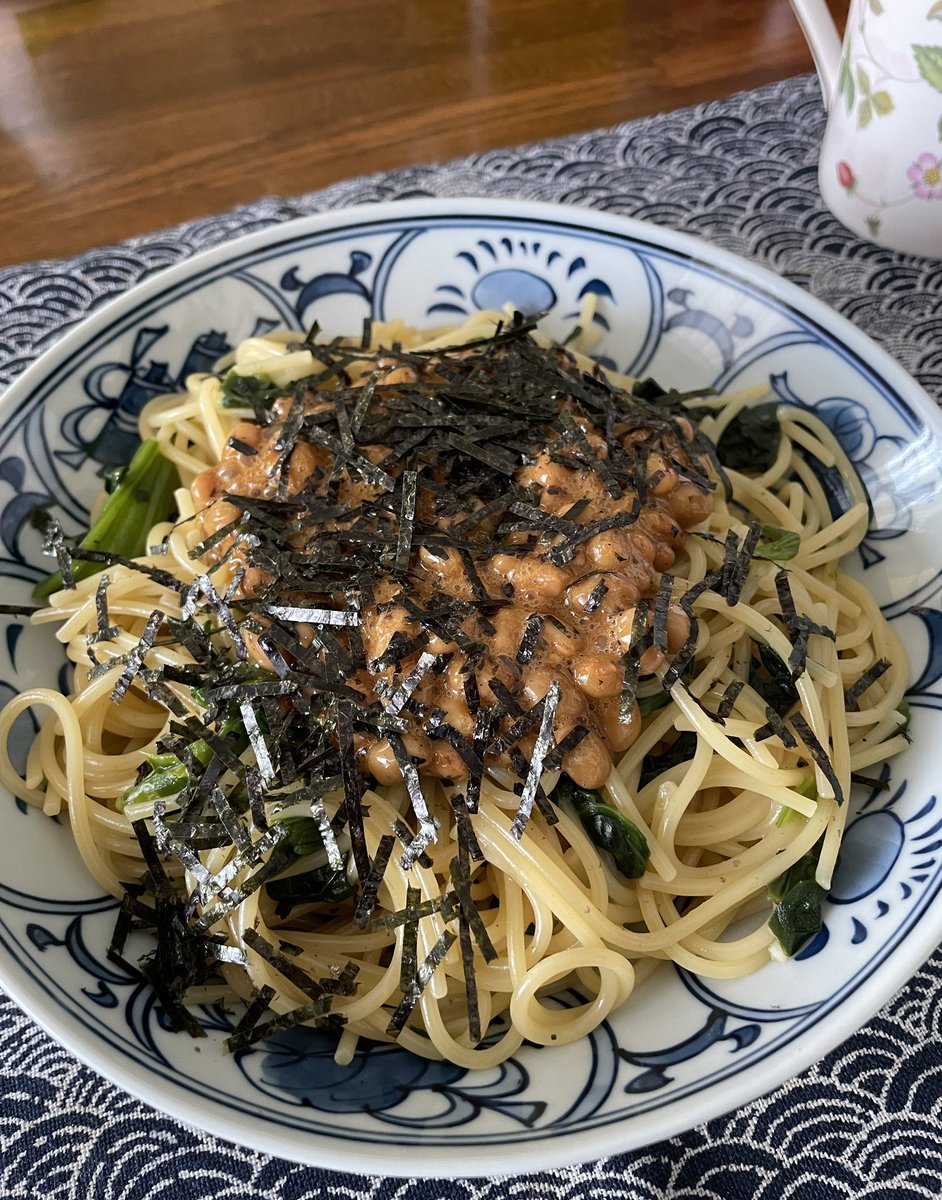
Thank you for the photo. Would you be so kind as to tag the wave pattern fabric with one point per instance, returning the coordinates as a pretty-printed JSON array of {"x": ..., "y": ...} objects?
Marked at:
[{"x": 864, "y": 1122}]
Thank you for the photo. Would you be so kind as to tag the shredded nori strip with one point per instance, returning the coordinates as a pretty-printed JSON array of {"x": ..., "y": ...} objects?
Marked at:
[
  {"x": 105, "y": 632},
  {"x": 818, "y": 754},
  {"x": 461, "y": 882},
  {"x": 241, "y": 447},
  {"x": 597, "y": 595},
  {"x": 259, "y": 1004},
  {"x": 405, "y": 836},
  {"x": 467, "y": 841},
  {"x": 317, "y": 1013},
  {"x": 470, "y": 979},
  {"x": 54, "y": 543},
  {"x": 257, "y": 738},
  {"x": 662, "y": 602},
  {"x": 447, "y": 905},
  {"x": 283, "y": 965},
  {"x": 730, "y": 696},
  {"x": 410, "y": 775},
  {"x": 775, "y": 726},
  {"x": 398, "y": 699},
  {"x": 543, "y": 740},
  {"x": 554, "y": 758},
  {"x": 352, "y": 792},
  {"x": 370, "y": 885},
  {"x": 870, "y": 676},
  {"x": 408, "y": 963},
  {"x": 406, "y": 522},
  {"x": 421, "y": 979},
  {"x": 313, "y": 616},
  {"x": 531, "y": 636},
  {"x": 641, "y": 640},
  {"x": 135, "y": 659}
]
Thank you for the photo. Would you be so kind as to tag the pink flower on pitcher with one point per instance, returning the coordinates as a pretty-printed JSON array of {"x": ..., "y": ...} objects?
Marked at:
[
  {"x": 926, "y": 177},
  {"x": 846, "y": 177}
]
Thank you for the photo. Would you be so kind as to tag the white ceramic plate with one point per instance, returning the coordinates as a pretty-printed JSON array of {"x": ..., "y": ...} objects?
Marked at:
[{"x": 684, "y": 1050}]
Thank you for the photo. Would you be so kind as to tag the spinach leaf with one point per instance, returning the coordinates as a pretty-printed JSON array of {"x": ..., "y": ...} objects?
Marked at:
[
  {"x": 777, "y": 544},
  {"x": 797, "y": 900},
  {"x": 320, "y": 885},
  {"x": 248, "y": 391},
  {"x": 751, "y": 440},
  {"x": 682, "y": 749},
  {"x": 323, "y": 885},
  {"x": 608, "y": 829},
  {"x": 651, "y": 391}
]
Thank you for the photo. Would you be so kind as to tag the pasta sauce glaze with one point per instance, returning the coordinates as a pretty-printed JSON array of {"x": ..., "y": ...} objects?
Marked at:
[{"x": 540, "y": 622}]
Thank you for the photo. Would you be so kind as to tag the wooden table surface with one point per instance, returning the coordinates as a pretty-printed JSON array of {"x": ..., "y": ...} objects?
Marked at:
[{"x": 120, "y": 117}]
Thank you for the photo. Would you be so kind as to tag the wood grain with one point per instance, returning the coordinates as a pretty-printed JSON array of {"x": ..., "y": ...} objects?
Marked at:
[{"x": 118, "y": 118}]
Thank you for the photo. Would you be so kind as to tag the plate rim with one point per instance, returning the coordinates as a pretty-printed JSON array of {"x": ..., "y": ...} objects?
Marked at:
[{"x": 318, "y": 1149}]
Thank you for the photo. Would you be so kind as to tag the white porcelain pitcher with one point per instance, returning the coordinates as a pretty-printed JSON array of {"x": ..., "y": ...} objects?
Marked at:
[{"x": 881, "y": 160}]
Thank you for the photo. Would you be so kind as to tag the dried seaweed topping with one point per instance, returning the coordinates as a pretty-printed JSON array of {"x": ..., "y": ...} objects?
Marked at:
[
  {"x": 408, "y": 962},
  {"x": 730, "y": 696},
  {"x": 461, "y": 882},
  {"x": 661, "y": 609},
  {"x": 421, "y": 979},
  {"x": 597, "y": 595},
  {"x": 797, "y": 626},
  {"x": 470, "y": 979},
  {"x": 869, "y": 677},
  {"x": 282, "y": 964},
  {"x": 369, "y": 887},
  {"x": 775, "y": 726},
  {"x": 544, "y": 740},
  {"x": 406, "y": 474},
  {"x": 819, "y": 755}
]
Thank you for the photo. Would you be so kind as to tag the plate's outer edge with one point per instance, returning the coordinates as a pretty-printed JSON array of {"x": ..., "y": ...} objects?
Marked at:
[{"x": 685, "y": 1113}]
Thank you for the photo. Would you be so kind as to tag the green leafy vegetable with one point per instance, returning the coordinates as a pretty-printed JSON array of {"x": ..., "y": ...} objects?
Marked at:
[
  {"x": 608, "y": 829},
  {"x": 805, "y": 788},
  {"x": 168, "y": 777},
  {"x": 651, "y": 703},
  {"x": 142, "y": 496},
  {"x": 904, "y": 710},
  {"x": 651, "y": 391},
  {"x": 321, "y": 885},
  {"x": 751, "y": 440},
  {"x": 248, "y": 391},
  {"x": 777, "y": 544},
  {"x": 797, "y": 898},
  {"x": 682, "y": 749}
]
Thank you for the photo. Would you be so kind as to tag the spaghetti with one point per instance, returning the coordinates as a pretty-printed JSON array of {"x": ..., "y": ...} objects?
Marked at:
[{"x": 464, "y": 678}]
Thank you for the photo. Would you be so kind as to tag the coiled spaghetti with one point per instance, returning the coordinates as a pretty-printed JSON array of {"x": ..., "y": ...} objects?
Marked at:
[{"x": 473, "y": 928}]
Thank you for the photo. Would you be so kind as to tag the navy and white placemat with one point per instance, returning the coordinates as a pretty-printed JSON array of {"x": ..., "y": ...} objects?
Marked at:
[{"x": 867, "y": 1120}]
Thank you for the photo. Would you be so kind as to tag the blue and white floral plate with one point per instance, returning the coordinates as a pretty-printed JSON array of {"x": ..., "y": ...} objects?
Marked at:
[{"x": 684, "y": 1050}]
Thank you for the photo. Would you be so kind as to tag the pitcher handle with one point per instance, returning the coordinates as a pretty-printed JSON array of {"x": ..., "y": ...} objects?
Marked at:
[{"x": 824, "y": 41}]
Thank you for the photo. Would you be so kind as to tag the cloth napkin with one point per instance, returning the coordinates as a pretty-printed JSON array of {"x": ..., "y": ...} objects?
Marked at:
[{"x": 863, "y": 1122}]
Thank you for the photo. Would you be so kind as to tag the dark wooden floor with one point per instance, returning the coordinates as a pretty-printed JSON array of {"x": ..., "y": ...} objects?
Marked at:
[{"x": 119, "y": 117}]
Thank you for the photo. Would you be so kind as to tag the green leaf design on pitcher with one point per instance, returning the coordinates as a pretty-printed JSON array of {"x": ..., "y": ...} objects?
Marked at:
[
  {"x": 929, "y": 62},
  {"x": 882, "y": 103},
  {"x": 845, "y": 79}
]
